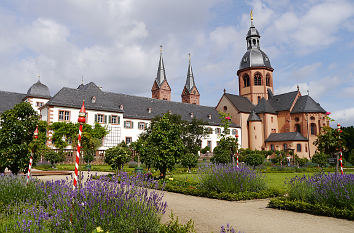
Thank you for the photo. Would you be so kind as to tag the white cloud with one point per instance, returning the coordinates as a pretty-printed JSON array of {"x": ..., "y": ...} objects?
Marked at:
[{"x": 344, "y": 116}]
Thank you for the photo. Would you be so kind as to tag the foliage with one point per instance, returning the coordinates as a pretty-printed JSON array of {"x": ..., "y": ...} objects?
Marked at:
[
  {"x": 305, "y": 207},
  {"x": 329, "y": 142},
  {"x": 230, "y": 179},
  {"x": 328, "y": 189},
  {"x": 120, "y": 202},
  {"x": 54, "y": 157},
  {"x": 301, "y": 161},
  {"x": 351, "y": 157},
  {"x": 189, "y": 160},
  {"x": 254, "y": 159},
  {"x": 227, "y": 229},
  {"x": 227, "y": 146},
  {"x": 117, "y": 156},
  {"x": 205, "y": 150},
  {"x": 348, "y": 138},
  {"x": 173, "y": 226},
  {"x": 320, "y": 158},
  {"x": 16, "y": 134}
]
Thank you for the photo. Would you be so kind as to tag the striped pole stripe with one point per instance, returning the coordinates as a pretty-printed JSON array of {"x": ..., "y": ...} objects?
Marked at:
[
  {"x": 340, "y": 151},
  {"x": 237, "y": 160},
  {"x": 35, "y": 134}
]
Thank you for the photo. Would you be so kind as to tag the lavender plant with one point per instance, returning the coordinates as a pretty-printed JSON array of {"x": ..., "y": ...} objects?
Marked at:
[
  {"x": 229, "y": 178},
  {"x": 228, "y": 229},
  {"x": 329, "y": 189},
  {"x": 118, "y": 204}
]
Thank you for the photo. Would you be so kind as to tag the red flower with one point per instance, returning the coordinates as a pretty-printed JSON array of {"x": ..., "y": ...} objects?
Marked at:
[
  {"x": 228, "y": 118},
  {"x": 328, "y": 113}
]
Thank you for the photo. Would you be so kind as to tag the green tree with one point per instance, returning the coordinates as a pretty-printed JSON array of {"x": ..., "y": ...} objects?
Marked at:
[
  {"x": 54, "y": 157},
  {"x": 162, "y": 144},
  {"x": 320, "y": 158},
  {"x": 117, "y": 156},
  {"x": 16, "y": 134},
  {"x": 348, "y": 137},
  {"x": 189, "y": 160},
  {"x": 227, "y": 145},
  {"x": 329, "y": 142},
  {"x": 351, "y": 157},
  {"x": 254, "y": 159}
]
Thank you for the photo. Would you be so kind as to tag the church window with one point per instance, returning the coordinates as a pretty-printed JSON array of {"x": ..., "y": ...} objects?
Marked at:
[
  {"x": 296, "y": 119},
  {"x": 313, "y": 129},
  {"x": 285, "y": 146},
  {"x": 259, "y": 98},
  {"x": 257, "y": 79},
  {"x": 297, "y": 128},
  {"x": 298, "y": 147},
  {"x": 225, "y": 108},
  {"x": 272, "y": 147},
  {"x": 268, "y": 80},
  {"x": 246, "y": 80},
  {"x": 312, "y": 118}
]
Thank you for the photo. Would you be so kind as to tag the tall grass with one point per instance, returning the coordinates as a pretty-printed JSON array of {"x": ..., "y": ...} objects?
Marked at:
[{"x": 229, "y": 178}]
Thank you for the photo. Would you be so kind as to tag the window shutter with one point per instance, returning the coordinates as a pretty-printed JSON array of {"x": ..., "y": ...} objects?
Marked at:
[
  {"x": 132, "y": 125},
  {"x": 125, "y": 124},
  {"x": 110, "y": 119},
  {"x": 95, "y": 117},
  {"x": 105, "y": 119},
  {"x": 118, "y": 119}
]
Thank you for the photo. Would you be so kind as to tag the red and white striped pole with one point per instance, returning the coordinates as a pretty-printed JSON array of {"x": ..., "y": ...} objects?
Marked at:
[
  {"x": 81, "y": 120},
  {"x": 236, "y": 150},
  {"x": 35, "y": 134},
  {"x": 340, "y": 151}
]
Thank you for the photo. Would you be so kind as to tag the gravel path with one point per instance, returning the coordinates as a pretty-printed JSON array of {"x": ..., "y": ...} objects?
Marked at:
[{"x": 247, "y": 216}]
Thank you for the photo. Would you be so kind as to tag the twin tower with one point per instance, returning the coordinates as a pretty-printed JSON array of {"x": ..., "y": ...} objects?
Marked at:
[{"x": 162, "y": 90}]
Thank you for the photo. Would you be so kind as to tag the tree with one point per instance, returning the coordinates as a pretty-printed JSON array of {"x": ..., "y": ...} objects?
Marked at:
[
  {"x": 53, "y": 157},
  {"x": 329, "y": 142},
  {"x": 348, "y": 137},
  {"x": 163, "y": 145},
  {"x": 320, "y": 158},
  {"x": 254, "y": 159},
  {"x": 351, "y": 157},
  {"x": 117, "y": 156},
  {"x": 16, "y": 133},
  {"x": 227, "y": 145},
  {"x": 189, "y": 160}
]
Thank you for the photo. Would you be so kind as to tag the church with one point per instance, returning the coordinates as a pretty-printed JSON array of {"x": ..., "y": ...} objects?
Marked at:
[{"x": 260, "y": 119}]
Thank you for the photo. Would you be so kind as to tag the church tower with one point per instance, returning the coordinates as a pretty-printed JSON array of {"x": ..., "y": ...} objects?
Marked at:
[
  {"x": 190, "y": 93},
  {"x": 161, "y": 89},
  {"x": 255, "y": 74}
]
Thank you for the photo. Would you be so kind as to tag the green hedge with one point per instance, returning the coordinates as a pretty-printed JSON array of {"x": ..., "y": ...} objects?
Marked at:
[
  {"x": 193, "y": 191},
  {"x": 305, "y": 207}
]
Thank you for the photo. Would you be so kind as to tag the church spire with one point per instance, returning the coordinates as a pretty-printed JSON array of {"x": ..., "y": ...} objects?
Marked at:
[
  {"x": 190, "y": 93},
  {"x": 190, "y": 78},
  {"x": 161, "y": 75}
]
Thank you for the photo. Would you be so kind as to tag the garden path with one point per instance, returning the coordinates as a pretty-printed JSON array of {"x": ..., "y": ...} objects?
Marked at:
[{"x": 247, "y": 216}]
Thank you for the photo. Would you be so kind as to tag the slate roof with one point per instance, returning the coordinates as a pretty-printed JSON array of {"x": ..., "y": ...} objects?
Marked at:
[
  {"x": 39, "y": 90},
  {"x": 283, "y": 102},
  {"x": 241, "y": 103},
  {"x": 307, "y": 104},
  {"x": 190, "y": 78},
  {"x": 264, "y": 107},
  {"x": 253, "y": 117},
  {"x": 133, "y": 106},
  {"x": 289, "y": 136},
  {"x": 9, "y": 99}
]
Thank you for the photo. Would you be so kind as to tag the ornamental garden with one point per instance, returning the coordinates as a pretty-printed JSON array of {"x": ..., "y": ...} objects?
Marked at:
[{"x": 165, "y": 157}]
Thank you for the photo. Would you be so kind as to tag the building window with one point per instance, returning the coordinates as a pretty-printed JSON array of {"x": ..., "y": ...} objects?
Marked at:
[
  {"x": 297, "y": 128},
  {"x": 225, "y": 108},
  {"x": 259, "y": 98},
  {"x": 258, "y": 79},
  {"x": 298, "y": 147},
  {"x": 272, "y": 147},
  {"x": 246, "y": 80},
  {"x": 141, "y": 125},
  {"x": 268, "y": 79},
  {"x": 209, "y": 144},
  {"x": 114, "y": 119},
  {"x": 296, "y": 119},
  {"x": 217, "y": 130},
  {"x": 39, "y": 104},
  {"x": 285, "y": 146},
  {"x": 128, "y": 124},
  {"x": 271, "y": 119},
  {"x": 128, "y": 140},
  {"x": 100, "y": 118},
  {"x": 234, "y": 132},
  {"x": 312, "y": 118},
  {"x": 313, "y": 129},
  {"x": 209, "y": 130},
  {"x": 64, "y": 115}
]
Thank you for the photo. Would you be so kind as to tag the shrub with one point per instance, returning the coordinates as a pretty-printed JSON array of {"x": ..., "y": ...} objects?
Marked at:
[
  {"x": 229, "y": 178},
  {"x": 328, "y": 189},
  {"x": 189, "y": 160},
  {"x": 117, "y": 156},
  {"x": 254, "y": 159},
  {"x": 301, "y": 161},
  {"x": 54, "y": 157},
  {"x": 173, "y": 226},
  {"x": 320, "y": 158},
  {"x": 205, "y": 150}
]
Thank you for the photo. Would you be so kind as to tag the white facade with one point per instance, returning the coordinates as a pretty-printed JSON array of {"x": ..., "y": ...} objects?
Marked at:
[
  {"x": 36, "y": 103},
  {"x": 124, "y": 129}
]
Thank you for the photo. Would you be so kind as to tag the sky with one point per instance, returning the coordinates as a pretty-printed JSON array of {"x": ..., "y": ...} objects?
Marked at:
[{"x": 116, "y": 44}]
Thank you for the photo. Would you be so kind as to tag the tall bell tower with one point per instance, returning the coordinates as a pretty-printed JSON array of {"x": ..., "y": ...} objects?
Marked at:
[
  {"x": 190, "y": 93},
  {"x": 161, "y": 89},
  {"x": 255, "y": 75}
]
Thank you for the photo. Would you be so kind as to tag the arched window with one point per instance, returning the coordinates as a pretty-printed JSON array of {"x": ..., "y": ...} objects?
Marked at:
[
  {"x": 313, "y": 129},
  {"x": 246, "y": 80},
  {"x": 259, "y": 99},
  {"x": 268, "y": 79},
  {"x": 258, "y": 79},
  {"x": 225, "y": 108},
  {"x": 285, "y": 146},
  {"x": 298, "y": 128}
]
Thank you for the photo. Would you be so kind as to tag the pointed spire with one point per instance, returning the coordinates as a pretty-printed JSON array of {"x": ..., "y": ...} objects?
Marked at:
[
  {"x": 161, "y": 75},
  {"x": 190, "y": 77},
  {"x": 251, "y": 15}
]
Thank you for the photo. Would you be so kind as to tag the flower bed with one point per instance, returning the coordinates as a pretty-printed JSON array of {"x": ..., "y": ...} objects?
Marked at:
[{"x": 323, "y": 194}]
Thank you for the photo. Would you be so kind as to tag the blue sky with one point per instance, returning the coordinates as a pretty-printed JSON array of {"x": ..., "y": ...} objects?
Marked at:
[{"x": 115, "y": 43}]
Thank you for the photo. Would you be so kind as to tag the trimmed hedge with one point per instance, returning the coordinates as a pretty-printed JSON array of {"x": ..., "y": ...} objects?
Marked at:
[
  {"x": 305, "y": 207},
  {"x": 193, "y": 191}
]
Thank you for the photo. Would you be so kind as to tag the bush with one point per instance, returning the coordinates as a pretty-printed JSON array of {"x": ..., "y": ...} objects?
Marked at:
[
  {"x": 117, "y": 156},
  {"x": 254, "y": 159},
  {"x": 54, "y": 157},
  {"x": 189, "y": 160},
  {"x": 320, "y": 158},
  {"x": 173, "y": 226},
  {"x": 301, "y": 161},
  {"x": 305, "y": 207},
  {"x": 205, "y": 150},
  {"x": 229, "y": 178}
]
